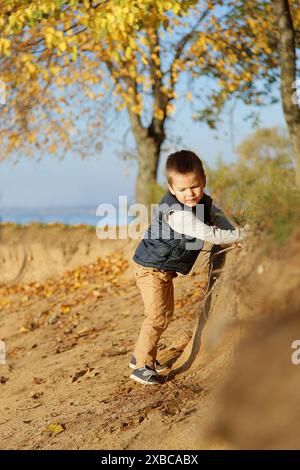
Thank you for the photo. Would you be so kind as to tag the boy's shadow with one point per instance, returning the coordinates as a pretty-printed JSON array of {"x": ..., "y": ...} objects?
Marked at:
[{"x": 216, "y": 263}]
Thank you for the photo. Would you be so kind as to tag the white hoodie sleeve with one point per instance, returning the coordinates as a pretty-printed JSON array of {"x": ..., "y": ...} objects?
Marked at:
[
  {"x": 186, "y": 223},
  {"x": 219, "y": 219}
]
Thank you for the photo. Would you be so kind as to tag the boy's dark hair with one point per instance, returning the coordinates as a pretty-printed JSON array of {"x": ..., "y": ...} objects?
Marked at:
[{"x": 183, "y": 161}]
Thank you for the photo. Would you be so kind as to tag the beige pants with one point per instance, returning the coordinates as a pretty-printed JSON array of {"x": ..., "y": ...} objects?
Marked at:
[
  {"x": 158, "y": 296},
  {"x": 157, "y": 292}
]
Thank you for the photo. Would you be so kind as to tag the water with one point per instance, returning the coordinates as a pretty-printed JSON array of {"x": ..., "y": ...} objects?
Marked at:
[{"x": 65, "y": 215}]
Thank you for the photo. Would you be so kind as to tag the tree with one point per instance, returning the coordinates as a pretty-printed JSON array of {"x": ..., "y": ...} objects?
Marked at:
[
  {"x": 287, "y": 41},
  {"x": 43, "y": 78},
  {"x": 141, "y": 50}
]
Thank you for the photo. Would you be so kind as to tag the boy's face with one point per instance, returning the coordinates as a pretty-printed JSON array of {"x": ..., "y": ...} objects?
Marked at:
[{"x": 188, "y": 188}]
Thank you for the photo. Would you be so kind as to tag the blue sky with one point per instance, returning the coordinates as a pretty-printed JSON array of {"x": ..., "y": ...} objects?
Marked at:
[{"x": 74, "y": 182}]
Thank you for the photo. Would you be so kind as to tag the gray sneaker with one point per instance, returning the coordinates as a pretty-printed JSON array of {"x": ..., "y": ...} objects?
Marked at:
[
  {"x": 145, "y": 375},
  {"x": 158, "y": 367}
]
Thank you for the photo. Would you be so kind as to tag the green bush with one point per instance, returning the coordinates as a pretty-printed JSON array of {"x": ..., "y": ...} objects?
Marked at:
[{"x": 259, "y": 187}]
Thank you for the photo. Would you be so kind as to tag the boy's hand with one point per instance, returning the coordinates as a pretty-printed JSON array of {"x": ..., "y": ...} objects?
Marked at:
[{"x": 245, "y": 231}]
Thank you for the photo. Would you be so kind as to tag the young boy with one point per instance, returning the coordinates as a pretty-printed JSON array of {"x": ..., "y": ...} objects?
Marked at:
[{"x": 185, "y": 219}]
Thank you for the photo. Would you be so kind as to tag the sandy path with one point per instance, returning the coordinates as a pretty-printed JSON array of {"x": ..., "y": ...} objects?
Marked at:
[{"x": 66, "y": 382}]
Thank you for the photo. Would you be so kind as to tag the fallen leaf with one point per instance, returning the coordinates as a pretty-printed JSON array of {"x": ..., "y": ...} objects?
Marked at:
[
  {"x": 64, "y": 308},
  {"x": 23, "y": 329},
  {"x": 85, "y": 331},
  {"x": 78, "y": 374},
  {"x": 85, "y": 374},
  {"x": 55, "y": 428},
  {"x": 38, "y": 380}
]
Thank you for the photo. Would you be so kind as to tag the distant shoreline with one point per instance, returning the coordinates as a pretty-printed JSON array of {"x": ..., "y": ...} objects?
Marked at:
[
  {"x": 56, "y": 225},
  {"x": 68, "y": 215}
]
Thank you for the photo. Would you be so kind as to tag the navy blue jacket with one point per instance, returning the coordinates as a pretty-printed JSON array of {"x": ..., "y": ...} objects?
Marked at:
[{"x": 165, "y": 249}]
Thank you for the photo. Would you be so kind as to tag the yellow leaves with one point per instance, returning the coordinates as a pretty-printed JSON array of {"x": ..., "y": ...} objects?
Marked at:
[
  {"x": 110, "y": 18},
  {"x": 48, "y": 293},
  {"x": 201, "y": 42},
  {"x": 159, "y": 114},
  {"x": 189, "y": 96},
  {"x": 55, "y": 428},
  {"x": 201, "y": 62},
  {"x": 132, "y": 43},
  {"x": 121, "y": 31},
  {"x": 23, "y": 329},
  {"x": 222, "y": 83},
  {"x": 173, "y": 6},
  {"x": 31, "y": 137},
  {"x": 56, "y": 39},
  {"x": 231, "y": 58},
  {"x": 247, "y": 77},
  {"x": 130, "y": 18},
  {"x": 49, "y": 36},
  {"x": 115, "y": 55},
  {"x": 128, "y": 53},
  {"x": 144, "y": 41},
  {"x": 30, "y": 67},
  {"x": 231, "y": 87},
  {"x": 267, "y": 49},
  {"x": 55, "y": 69},
  {"x": 118, "y": 88},
  {"x": 5, "y": 302},
  {"x": 170, "y": 109},
  {"x": 64, "y": 309},
  {"x": 91, "y": 94},
  {"x": 131, "y": 90},
  {"x": 121, "y": 106},
  {"x": 215, "y": 47},
  {"x": 53, "y": 148},
  {"x": 168, "y": 5},
  {"x": 252, "y": 23},
  {"x": 62, "y": 46},
  {"x": 164, "y": 90},
  {"x": 213, "y": 20},
  {"x": 5, "y": 47},
  {"x": 176, "y": 8},
  {"x": 136, "y": 109},
  {"x": 155, "y": 58}
]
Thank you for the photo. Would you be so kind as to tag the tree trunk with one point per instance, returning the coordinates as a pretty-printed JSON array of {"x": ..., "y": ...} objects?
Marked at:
[
  {"x": 148, "y": 144},
  {"x": 295, "y": 138},
  {"x": 287, "y": 56},
  {"x": 148, "y": 159}
]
